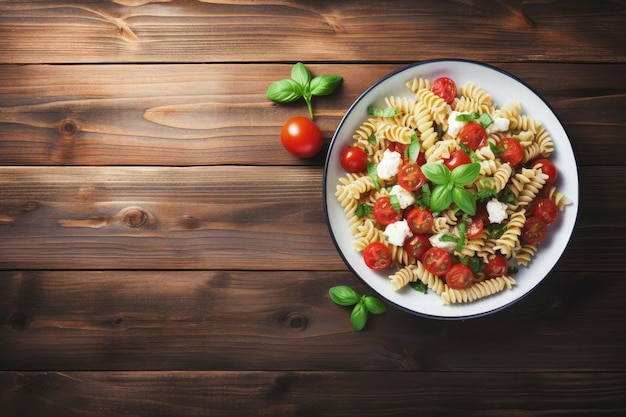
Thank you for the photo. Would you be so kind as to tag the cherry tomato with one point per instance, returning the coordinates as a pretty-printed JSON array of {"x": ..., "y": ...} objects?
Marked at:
[
  {"x": 513, "y": 151},
  {"x": 437, "y": 261},
  {"x": 457, "y": 158},
  {"x": 417, "y": 245},
  {"x": 548, "y": 168},
  {"x": 445, "y": 88},
  {"x": 546, "y": 210},
  {"x": 301, "y": 137},
  {"x": 475, "y": 228},
  {"x": 410, "y": 177},
  {"x": 482, "y": 213},
  {"x": 354, "y": 159},
  {"x": 420, "y": 220},
  {"x": 534, "y": 230},
  {"x": 384, "y": 212},
  {"x": 460, "y": 276},
  {"x": 377, "y": 256},
  {"x": 473, "y": 135},
  {"x": 496, "y": 267}
]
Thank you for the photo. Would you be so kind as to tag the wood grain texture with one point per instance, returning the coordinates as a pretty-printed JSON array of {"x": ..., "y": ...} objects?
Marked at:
[
  {"x": 245, "y": 320},
  {"x": 217, "y": 217},
  {"x": 218, "y": 114},
  {"x": 207, "y": 31},
  {"x": 217, "y": 394}
]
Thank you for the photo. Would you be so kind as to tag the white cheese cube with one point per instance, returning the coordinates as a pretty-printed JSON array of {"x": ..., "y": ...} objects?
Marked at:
[
  {"x": 397, "y": 232},
  {"x": 436, "y": 242},
  {"x": 389, "y": 165},
  {"x": 500, "y": 124},
  {"x": 497, "y": 211},
  {"x": 405, "y": 197}
]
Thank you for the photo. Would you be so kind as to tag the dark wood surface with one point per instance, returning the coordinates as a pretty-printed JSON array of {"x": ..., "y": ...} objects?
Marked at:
[{"x": 161, "y": 254}]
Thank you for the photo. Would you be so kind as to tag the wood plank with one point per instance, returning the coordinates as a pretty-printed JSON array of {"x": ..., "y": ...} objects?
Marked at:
[
  {"x": 218, "y": 394},
  {"x": 243, "y": 320},
  {"x": 153, "y": 31},
  {"x": 213, "y": 217},
  {"x": 218, "y": 114}
]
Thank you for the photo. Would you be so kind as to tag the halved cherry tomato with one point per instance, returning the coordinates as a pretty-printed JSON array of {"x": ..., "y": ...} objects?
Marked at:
[
  {"x": 377, "y": 256},
  {"x": 513, "y": 151},
  {"x": 410, "y": 177},
  {"x": 301, "y": 137},
  {"x": 548, "y": 168},
  {"x": 546, "y": 210},
  {"x": 384, "y": 213},
  {"x": 473, "y": 135},
  {"x": 496, "y": 267},
  {"x": 437, "y": 261},
  {"x": 457, "y": 158},
  {"x": 460, "y": 276},
  {"x": 417, "y": 245},
  {"x": 445, "y": 88},
  {"x": 397, "y": 147},
  {"x": 475, "y": 227},
  {"x": 354, "y": 159},
  {"x": 420, "y": 220},
  {"x": 534, "y": 230}
]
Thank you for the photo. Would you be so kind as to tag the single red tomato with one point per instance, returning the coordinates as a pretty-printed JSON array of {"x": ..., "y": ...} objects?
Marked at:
[
  {"x": 460, "y": 276},
  {"x": 445, "y": 88},
  {"x": 457, "y": 158},
  {"x": 437, "y": 261},
  {"x": 417, "y": 245},
  {"x": 377, "y": 256},
  {"x": 548, "y": 168},
  {"x": 546, "y": 210},
  {"x": 354, "y": 159},
  {"x": 410, "y": 177},
  {"x": 475, "y": 227},
  {"x": 301, "y": 137},
  {"x": 513, "y": 151},
  {"x": 420, "y": 220},
  {"x": 384, "y": 213},
  {"x": 534, "y": 230},
  {"x": 496, "y": 267},
  {"x": 473, "y": 135}
]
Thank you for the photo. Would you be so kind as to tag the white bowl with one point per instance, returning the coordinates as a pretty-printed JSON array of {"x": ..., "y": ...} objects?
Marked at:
[{"x": 503, "y": 89}]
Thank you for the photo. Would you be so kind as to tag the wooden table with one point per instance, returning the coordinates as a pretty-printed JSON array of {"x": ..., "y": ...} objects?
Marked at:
[{"x": 161, "y": 254}]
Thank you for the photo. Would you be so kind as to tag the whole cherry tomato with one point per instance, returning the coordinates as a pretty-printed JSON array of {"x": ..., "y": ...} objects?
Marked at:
[
  {"x": 354, "y": 159},
  {"x": 301, "y": 137}
]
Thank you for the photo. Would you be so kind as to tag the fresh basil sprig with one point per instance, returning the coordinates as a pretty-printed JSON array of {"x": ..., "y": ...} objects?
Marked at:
[
  {"x": 302, "y": 85},
  {"x": 363, "y": 304},
  {"x": 450, "y": 186}
]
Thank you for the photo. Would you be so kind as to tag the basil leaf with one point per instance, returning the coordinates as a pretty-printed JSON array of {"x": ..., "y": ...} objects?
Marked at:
[
  {"x": 374, "y": 305},
  {"x": 456, "y": 240},
  {"x": 466, "y": 117},
  {"x": 343, "y": 295},
  {"x": 497, "y": 231},
  {"x": 358, "y": 316},
  {"x": 324, "y": 84},
  {"x": 464, "y": 174},
  {"x": 441, "y": 197},
  {"x": 464, "y": 199},
  {"x": 372, "y": 139},
  {"x": 373, "y": 173},
  {"x": 475, "y": 264},
  {"x": 419, "y": 286},
  {"x": 485, "y": 120},
  {"x": 436, "y": 172},
  {"x": 300, "y": 74},
  {"x": 363, "y": 210},
  {"x": 395, "y": 203},
  {"x": 426, "y": 195},
  {"x": 382, "y": 112},
  {"x": 496, "y": 150},
  {"x": 284, "y": 91},
  {"x": 414, "y": 148}
]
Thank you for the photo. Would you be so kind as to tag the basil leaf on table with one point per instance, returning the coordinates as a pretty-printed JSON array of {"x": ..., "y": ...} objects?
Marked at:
[
  {"x": 284, "y": 91},
  {"x": 358, "y": 316}
]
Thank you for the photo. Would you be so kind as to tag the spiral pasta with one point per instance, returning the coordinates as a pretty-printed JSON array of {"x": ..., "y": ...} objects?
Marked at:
[{"x": 513, "y": 186}]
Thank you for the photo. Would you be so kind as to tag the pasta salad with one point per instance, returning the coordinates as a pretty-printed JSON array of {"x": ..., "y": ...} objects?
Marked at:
[{"x": 446, "y": 190}]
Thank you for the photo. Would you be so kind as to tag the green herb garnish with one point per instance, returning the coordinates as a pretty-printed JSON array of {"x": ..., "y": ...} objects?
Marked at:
[
  {"x": 363, "y": 304},
  {"x": 450, "y": 186},
  {"x": 382, "y": 112},
  {"x": 302, "y": 85}
]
